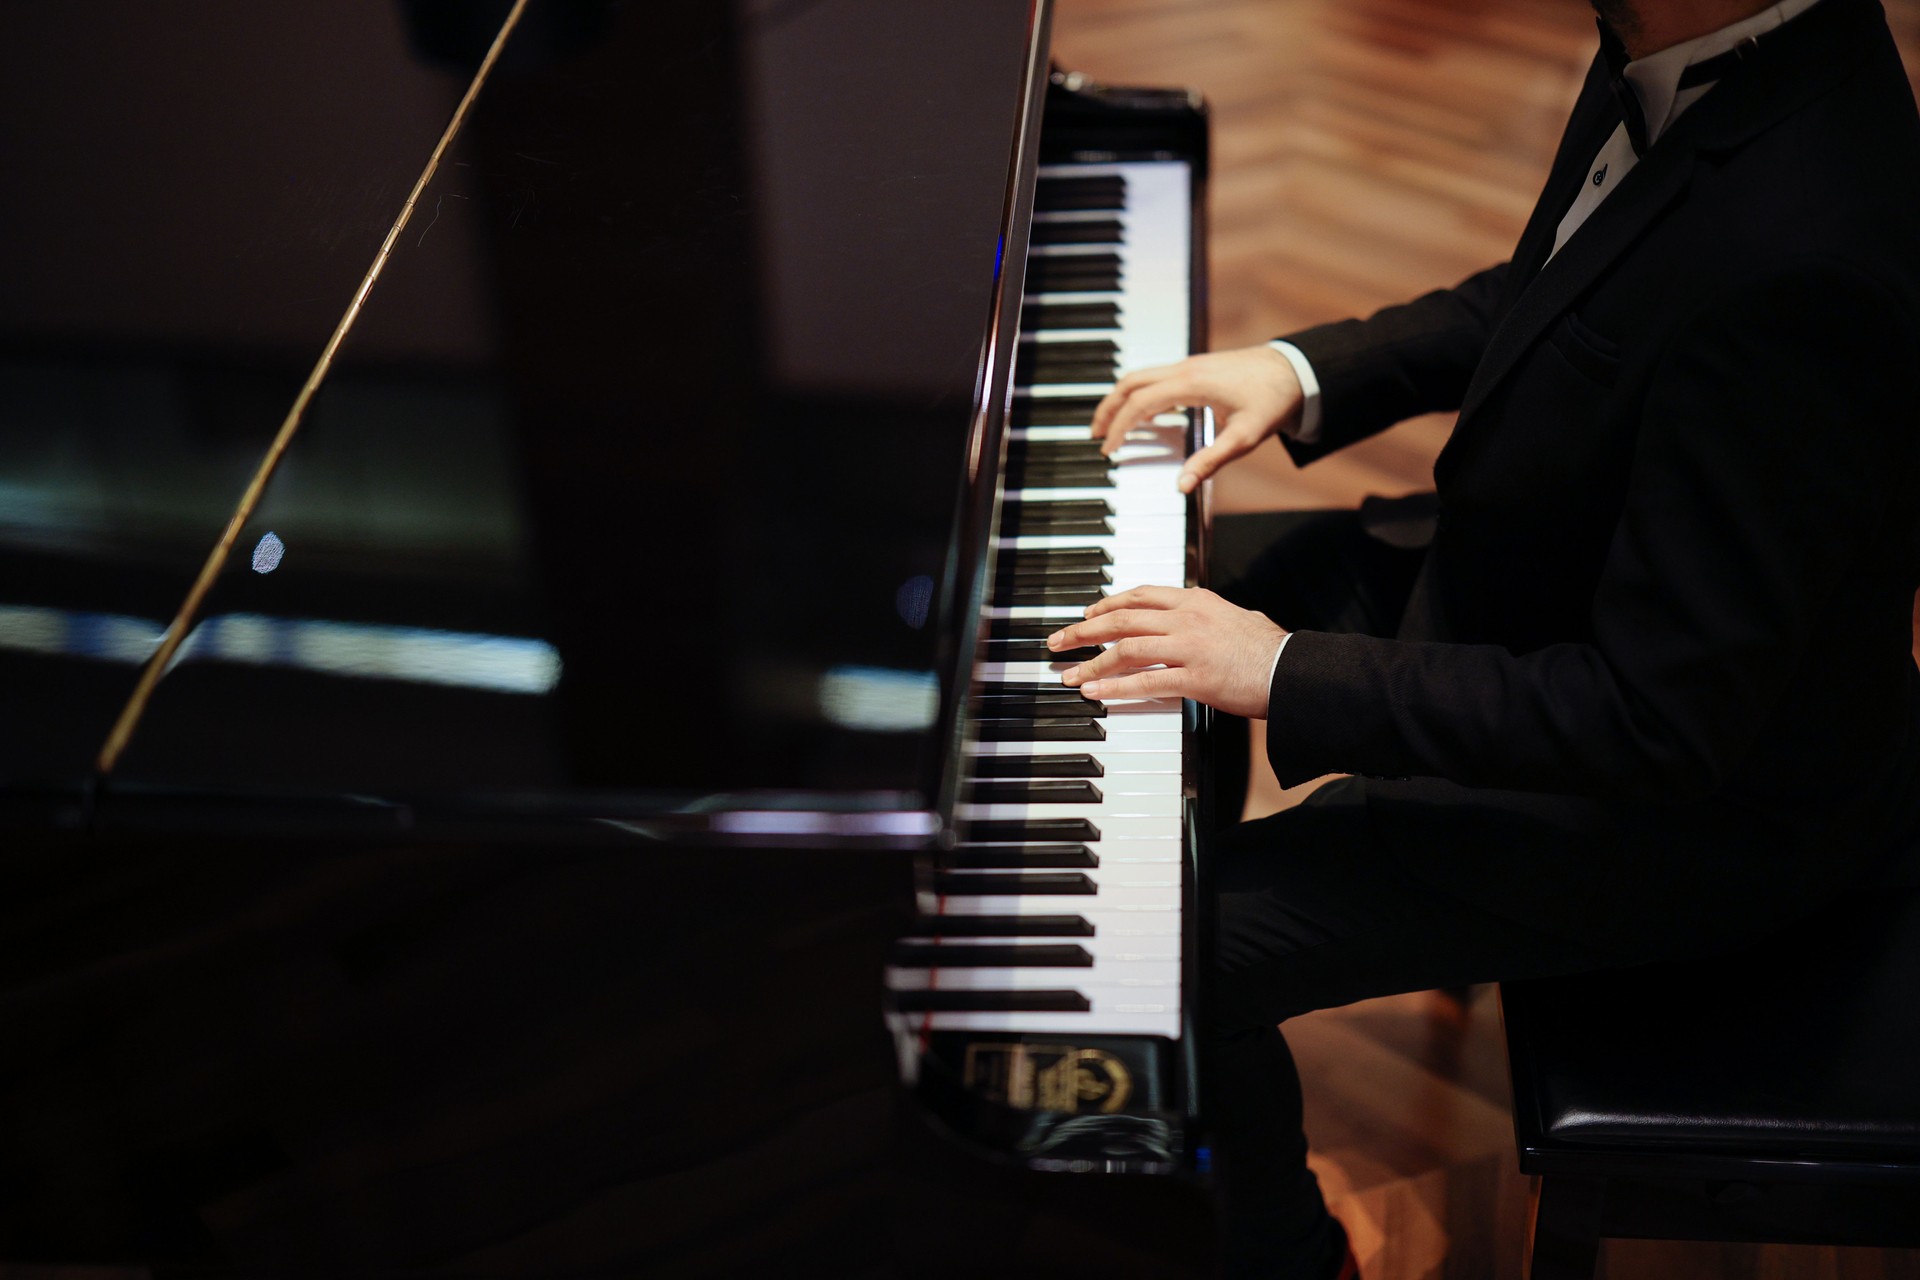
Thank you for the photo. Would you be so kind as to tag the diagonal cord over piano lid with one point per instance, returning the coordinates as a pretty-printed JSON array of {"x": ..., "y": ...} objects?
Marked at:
[{"x": 156, "y": 666}]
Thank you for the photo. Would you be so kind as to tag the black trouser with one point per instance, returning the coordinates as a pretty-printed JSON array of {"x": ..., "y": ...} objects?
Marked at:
[{"x": 1316, "y": 910}]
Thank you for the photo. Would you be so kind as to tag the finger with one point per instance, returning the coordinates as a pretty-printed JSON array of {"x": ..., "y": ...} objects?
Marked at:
[
  {"x": 1129, "y": 654},
  {"x": 1161, "y": 682},
  {"x": 1111, "y": 402},
  {"x": 1112, "y": 626},
  {"x": 1203, "y": 464},
  {"x": 1146, "y": 404},
  {"x": 1138, "y": 598}
]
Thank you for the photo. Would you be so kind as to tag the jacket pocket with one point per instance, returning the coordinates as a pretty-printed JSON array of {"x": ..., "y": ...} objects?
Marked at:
[{"x": 1594, "y": 356}]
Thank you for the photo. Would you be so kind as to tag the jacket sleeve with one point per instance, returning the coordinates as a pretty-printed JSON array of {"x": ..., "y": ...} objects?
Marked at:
[
  {"x": 1775, "y": 445},
  {"x": 1405, "y": 360}
]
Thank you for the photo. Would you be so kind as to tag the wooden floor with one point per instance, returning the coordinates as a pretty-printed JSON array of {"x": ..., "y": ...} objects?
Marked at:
[{"x": 1367, "y": 150}]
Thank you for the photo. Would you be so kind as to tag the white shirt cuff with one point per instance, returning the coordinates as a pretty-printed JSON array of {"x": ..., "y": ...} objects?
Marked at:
[
  {"x": 1308, "y": 432},
  {"x": 1276, "y": 666}
]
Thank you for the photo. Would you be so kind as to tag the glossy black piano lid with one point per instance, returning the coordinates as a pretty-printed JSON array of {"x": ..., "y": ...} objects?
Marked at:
[{"x": 635, "y": 481}]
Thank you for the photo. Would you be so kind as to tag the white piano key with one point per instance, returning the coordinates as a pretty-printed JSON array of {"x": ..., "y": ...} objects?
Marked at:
[
  {"x": 1123, "y": 1019},
  {"x": 1081, "y": 215},
  {"x": 1113, "y": 752},
  {"x": 1165, "y": 783},
  {"x": 1068, "y": 250},
  {"x": 1145, "y": 858},
  {"x": 1069, "y": 297},
  {"x": 1118, "y": 913},
  {"x": 1111, "y": 808},
  {"x": 1101, "y": 949},
  {"x": 1107, "y": 907},
  {"x": 1168, "y": 431},
  {"x": 1111, "y": 827},
  {"x": 1151, "y": 784},
  {"x": 1035, "y": 672},
  {"x": 1045, "y": 336},
  {"x": 1145, "y": 490},
  {"x": 1042, "y": 389},
  {"x": 1158, "y": 550},
  {"x": 1114, "y": 979}
]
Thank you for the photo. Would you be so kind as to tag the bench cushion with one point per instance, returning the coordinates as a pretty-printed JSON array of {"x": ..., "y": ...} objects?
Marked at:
[{"x": 1807, "y": 1045}]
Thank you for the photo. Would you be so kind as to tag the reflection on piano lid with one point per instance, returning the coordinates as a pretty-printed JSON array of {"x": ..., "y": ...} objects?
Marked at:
[
  {"x": 503, "y": 664},
  {"x": 511, "y": 871},
  {"x": 687, "y": 403}
]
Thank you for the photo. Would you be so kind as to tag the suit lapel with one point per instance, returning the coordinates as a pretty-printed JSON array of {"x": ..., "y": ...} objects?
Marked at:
[
  {"x": 1593, "y": 119},
  {"x": 1653, "y": 184},
  {"x": 1782, "y": 76}
]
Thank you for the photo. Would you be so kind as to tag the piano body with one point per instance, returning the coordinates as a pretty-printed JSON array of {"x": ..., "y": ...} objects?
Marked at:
[{"x": 611, "y": 814}]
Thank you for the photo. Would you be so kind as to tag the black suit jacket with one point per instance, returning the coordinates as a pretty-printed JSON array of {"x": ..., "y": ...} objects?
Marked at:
[{"x": 1659, "y": 652}]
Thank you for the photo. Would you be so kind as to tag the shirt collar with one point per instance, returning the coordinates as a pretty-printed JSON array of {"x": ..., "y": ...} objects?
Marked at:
[{"x": 1655, "y": 79}]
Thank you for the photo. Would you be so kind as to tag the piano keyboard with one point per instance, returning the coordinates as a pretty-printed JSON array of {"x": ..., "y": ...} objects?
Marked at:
[{"x": 1060, "y": 910}]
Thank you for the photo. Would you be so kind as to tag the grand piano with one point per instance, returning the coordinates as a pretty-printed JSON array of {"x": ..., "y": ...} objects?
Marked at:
[{"x": 611, "y": 811}]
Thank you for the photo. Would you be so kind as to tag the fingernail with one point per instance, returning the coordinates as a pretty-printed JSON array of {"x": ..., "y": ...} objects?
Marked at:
[
  {"x": 1053, "y": 641},
  {"x": 1070, "y": 676},
  {"x": 1187, "y": 481},
  {"x": 1092, "y": 690}
]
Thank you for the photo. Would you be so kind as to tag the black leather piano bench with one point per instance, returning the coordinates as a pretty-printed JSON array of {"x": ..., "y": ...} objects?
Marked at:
[{"x": 1771, "y": 1095}]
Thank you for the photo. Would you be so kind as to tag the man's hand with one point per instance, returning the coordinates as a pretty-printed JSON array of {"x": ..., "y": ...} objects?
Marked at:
[
  {"x": 1253, "y": 391},
  {"x": 1205, "y": 648}
]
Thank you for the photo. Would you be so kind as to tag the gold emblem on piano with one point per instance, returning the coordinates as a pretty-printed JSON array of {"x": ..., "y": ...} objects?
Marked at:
[{"x": 1049, "y": 1077}]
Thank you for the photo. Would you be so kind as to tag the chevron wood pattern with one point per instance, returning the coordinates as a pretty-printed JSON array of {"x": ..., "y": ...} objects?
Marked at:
[{"x": 1365, "y": 151}]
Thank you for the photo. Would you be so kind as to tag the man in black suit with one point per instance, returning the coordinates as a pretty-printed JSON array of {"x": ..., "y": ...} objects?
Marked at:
[{"x": 1649, "y": 689}]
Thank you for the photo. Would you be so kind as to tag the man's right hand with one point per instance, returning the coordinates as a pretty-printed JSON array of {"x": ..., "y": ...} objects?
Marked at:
[{"x": 1253, "y": 392}]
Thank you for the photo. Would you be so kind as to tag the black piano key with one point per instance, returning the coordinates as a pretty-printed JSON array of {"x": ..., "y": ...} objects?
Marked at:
[
  {"x": 1040, "y": 558},
  {"x": 1078, "y": 449},
  {"x": 1070, "y": 315},
  {"x": 1019, "y": 857},
  {"x": 1086, "y": 449},
  {"x": 1076, "y": 526},
  {"x": 1054, "y": 189},
  {"x": 1022, "y": 628},
  {"x": 1079, "y": 231},
  {"x": 1095, "y": 281},
  {"x": 1076, "y": 765},
  {"x": 991, "y": 1002},
  {"x": 1033, "y": 595},
  {"x": 1003, "y": 704},
  {"x": 1038, "y": 707},
  {"x": 1034, "y": 791},
  {"x": 1015, "y": 884},
  {"x": 1049, "y": 557},
  {"x": 1045, "y": 273},
  {"x": 1064, "y": 729},
  {"x": 1035, "y": 368},
  {"x": 1048, "y": 475},
  {"x": 1095, "y": 191},
  {"x": 1012, "y": 688},
  {"x": 1041, "y": 510},
  {"x": 1036, "y": 650},
  {"x": 1017, "y": 521},
  {"x": 1076, "y": 351},
  {"x": 1091, "y": 460},
  {"x": 1044, "y": 955},
  {"x": 1054, "y": 411},
  {"x": 1027, "y": 830},
  {"x": 1061, "y": 926},
  {"x": 1062, "y": 577}
]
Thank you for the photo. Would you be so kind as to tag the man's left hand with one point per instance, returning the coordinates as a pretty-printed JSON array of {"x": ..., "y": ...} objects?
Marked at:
[{"x": 1198, "y": 645}]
